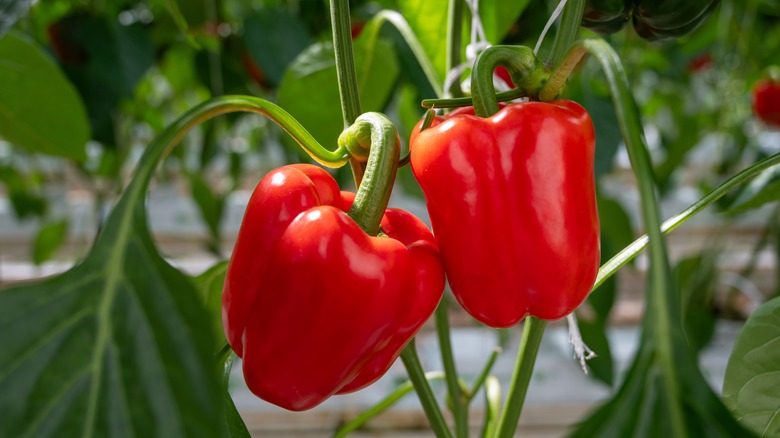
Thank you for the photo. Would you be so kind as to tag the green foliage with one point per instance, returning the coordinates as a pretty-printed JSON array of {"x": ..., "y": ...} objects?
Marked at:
[
  {"x": 39, "y": 109},
  {"x": 210, "y": 285},
  {"x": 25, "y": 202},
  {"x": 750, "y": 387},
  {"x": 697, "y": 280},
  {"x": 49, "y": 239},
  {"x": 764, "y": 189},
  {"x": 274, "y": 38}
]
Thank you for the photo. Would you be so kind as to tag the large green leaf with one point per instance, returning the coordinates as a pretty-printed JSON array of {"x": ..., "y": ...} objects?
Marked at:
[
  {"x": 750, "y": 388},
  {"x": 119, "y": 345},
  {"x": 210, "y": 284},
  {"x": 39, "y": 108},
  {"x": 315, "y": 70},
  {"x": 10, "y": 12},
  {"x": 428, "y": 20}
]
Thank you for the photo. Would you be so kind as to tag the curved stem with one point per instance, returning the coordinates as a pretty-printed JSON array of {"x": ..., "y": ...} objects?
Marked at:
[
  {"x": 567, "y": 30},
  {"x": 457, "y": 398},
  {"x": 628, "y": 253},
  {"x": 533, "y": 329},
  {"x": 372, "y": 137},
  {"x": 663, "y": 313},
  {"x": 423, "y": 389},
  {"x": 454, "y": 29},
  {"x": 384, "y": 404},
  {"x": 526, "y": 72},
  {"x": 561, "y": 73}
]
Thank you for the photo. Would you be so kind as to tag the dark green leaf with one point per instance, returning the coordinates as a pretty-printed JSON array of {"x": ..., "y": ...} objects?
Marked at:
[
  {"x": 10, "y": 12},
  {"x": 119, "y": 345},
  {"x": 498, "y": 16},
  {"x": 315, "y": 69},
  {"x": 599, "y": 106},
  {"x": 210, "y": 284},
  {"x": 25, "y": 203},
  {"x": 274, "y": 37},
  {"x": 39, "y": 109},
  {"x": 750, "y": 388},
  {"x": 210, "y": 204},
  {"x": 49, "y": 239},
  {"x": 697, "y": 279},
  {"x": 234, "y": 424},
  {"x": 105, "y": 60},
  {"x": 594, "y": 333},
  {"x": 761, "y": 190}
]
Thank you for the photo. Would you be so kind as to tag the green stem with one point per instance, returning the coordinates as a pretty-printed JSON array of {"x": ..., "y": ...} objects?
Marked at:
[
  {"x": 454, "y": 42},
  {"x": 424, "y": 392},
  {"x": 401, "y": 391},
  {"x": 628, "y": 253},
  {"x": 345, "y": 71},
  {"x": 561, "y": 73},
  {"x": 480, "y": 380},
  {"x": 459, "y": 102},
  {"x": 345, "y": 61},
  {"x": 526, "y": 72},
  {"x": 372, "y": 137},
  {"x": 457, "y": 398},
  {"x": 571, "y": 20},
  {"x": 663, "y": 313},
  {"x": 533, "y": 329}
]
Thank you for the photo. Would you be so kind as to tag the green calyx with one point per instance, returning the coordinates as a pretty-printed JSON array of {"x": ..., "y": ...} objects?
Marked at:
[
  {"x": 373, "y": 140},
  {"x": 528, "y": 74}
]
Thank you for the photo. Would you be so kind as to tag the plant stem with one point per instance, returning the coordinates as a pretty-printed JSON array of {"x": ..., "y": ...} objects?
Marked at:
[
  {"x": 533, "y": 330},
  {"x": 387, "y": 402},
  {"x": 345, "y": 71},
  {"x": 454, "y": 42},
  {"x": 374, "y": 135},
  {"x": 526, "y": 72},
  {"x": 430, "y": 405},
  {"x": 571, "y": 20},
  {"x": 480, "y": 380},
  {"x": 457, "y": 399}
]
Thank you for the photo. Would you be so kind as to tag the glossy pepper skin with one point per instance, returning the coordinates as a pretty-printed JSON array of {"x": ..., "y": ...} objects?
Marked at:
[
  {"x": 766, "y": 101},
  {"x": 312, "y": 304},
  {"x": 653, "y": 19},
  {"x": 512, "y": 203}
]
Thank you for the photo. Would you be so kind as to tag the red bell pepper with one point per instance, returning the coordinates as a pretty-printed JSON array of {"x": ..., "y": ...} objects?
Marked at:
[
  {"x": 766, "y": 101},
  {"x": 512, "y": 203},
  {"x": 313, "y": 304}
]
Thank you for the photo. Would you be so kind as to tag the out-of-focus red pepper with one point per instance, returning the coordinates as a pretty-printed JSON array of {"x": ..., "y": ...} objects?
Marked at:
[
  {"x": 313, "y": 304},
  {"x": 513, "y": 206},
  {"x": 766, "y": 101}
]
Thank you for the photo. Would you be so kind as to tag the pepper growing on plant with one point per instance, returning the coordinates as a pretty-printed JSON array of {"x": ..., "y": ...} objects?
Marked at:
[
  {"x": 653, "y": 20},
  {"x": 308, "y": 284},
  {"x": 521, "y": 184}
]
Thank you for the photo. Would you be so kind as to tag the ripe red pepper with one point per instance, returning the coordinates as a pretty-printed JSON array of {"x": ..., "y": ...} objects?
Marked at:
[
  {"x": 513, "y": 206},
  {"x": 313, "y": 304},
  {"x": 766, "y": 101}
]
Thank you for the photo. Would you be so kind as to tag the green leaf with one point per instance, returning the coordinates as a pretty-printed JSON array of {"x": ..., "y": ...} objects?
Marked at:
[
  {"x": 765, "y": 188},
  {"x": 750, "y": 387},
  {"x": 49, "y": 239},
  {"x": 210, "y": 284},
  {"x": 24, "y": 203},
  {"x": 104, "y": 60},
  {"x": 498, "y": 16},
  {"x": 315, "y": 69},
  {"x": 234, "y": 424},
  {"x": 697, "y": 279},
  {"x": 274, "y": 38},
  {"x": 10, "y": 12},
  {"x": 39, "y": 108},
  {"x": 428, "y": 20},
  {"x": 118, "y": 345},
  {"x": 211, "y": 206}
]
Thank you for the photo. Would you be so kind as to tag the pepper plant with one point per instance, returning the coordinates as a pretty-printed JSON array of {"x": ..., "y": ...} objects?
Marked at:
[{"x": 125, "y": 344}]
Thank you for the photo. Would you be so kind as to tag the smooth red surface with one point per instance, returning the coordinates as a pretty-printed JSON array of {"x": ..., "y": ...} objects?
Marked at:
[
  {"x": 513, "y": 206},
  {"x": 766, "y": 101},
  {"x": 313, "y": 304}
]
